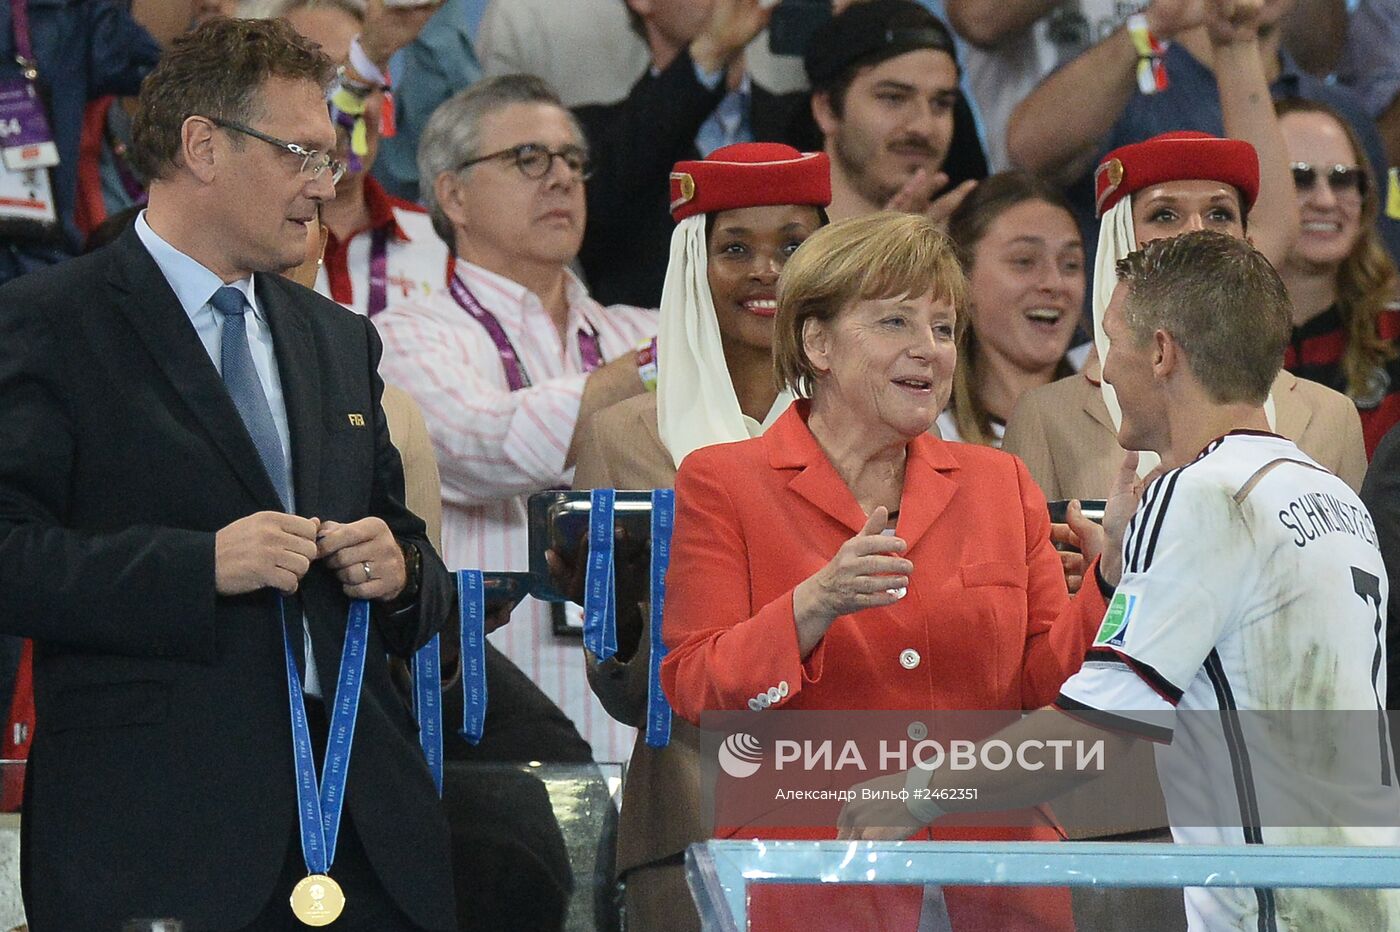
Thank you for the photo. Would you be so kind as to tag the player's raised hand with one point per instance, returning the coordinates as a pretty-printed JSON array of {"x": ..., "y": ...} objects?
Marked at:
[
  {"x": 1072, "y": 561},
  {"x": 1121, "y": 506}
]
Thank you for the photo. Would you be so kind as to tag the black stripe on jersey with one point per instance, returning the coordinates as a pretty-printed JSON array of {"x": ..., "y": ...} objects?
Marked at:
[
  {"x": 1146, "y": 560},
  {"x": 1137, "y": 528},
  {"x": 1139, "y": 560},
  {"x": 1244, "y": 780},
  {"x": 1111, "y": 721},
  {"x": 1159, "y": 683}
]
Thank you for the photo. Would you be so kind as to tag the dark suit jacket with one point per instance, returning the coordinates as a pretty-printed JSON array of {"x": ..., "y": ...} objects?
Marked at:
[
  {"x": 161, "y": 780},
  {"x": 635, "y": 143}
]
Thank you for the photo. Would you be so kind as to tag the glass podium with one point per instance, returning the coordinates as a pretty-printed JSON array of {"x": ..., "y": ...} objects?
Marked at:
[{"x": 720, "y": 872}]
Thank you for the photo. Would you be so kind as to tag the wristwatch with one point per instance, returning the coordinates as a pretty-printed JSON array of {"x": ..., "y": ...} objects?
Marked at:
[{"x": 413, "y": 572}]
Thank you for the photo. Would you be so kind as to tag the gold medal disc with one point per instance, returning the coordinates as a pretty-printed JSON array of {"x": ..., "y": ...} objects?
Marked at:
[{"x": 317, "y": 900}]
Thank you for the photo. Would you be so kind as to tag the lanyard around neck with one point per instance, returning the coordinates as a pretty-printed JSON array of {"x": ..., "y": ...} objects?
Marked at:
[
  {"x": 516, "y": 376},
  {"x": 24, "y": 47}
]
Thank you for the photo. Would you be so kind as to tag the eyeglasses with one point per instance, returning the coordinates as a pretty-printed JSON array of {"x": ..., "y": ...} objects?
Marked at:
[
  {"x": 1340, "y": 178},
  {"x": 535, "y": 160},
  {"x": 314, "y": 162}
]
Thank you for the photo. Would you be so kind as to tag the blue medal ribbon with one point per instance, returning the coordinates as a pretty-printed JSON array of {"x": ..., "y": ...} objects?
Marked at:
[
  {"x": 663, "y": 514},
  {"x": 427, "y": 705},
  {"x": 600, "y": 585},
  {"x": 471, "y": 601},
  {"x": 319, "y": 813}
]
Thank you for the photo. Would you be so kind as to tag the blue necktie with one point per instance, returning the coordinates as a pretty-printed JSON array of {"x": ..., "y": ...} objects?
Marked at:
[{"x": 246, "y": 390}]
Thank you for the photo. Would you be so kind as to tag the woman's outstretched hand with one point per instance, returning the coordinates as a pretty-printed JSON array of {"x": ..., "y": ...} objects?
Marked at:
[{"x": 865, "y": 573}]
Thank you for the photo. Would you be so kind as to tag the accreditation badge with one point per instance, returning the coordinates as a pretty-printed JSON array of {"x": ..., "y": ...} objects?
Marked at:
[
  {"x": 27, "y": 152},
  {"x": 25, "y": 139}
]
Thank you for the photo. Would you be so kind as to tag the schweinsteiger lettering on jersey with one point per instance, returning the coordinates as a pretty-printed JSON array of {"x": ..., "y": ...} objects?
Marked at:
[{"x": 1313, "y": 514}]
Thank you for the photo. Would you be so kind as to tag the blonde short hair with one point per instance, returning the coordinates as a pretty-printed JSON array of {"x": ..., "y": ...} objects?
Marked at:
[
  {"x": 869, "y": 258},
  {"x": 1221, "y": 301}
]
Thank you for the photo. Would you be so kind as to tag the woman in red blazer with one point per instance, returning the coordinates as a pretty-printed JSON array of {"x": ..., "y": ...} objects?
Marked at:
[{"x": 965, "y": 607}]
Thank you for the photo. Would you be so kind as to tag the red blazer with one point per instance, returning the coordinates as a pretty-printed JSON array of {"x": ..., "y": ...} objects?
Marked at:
[{"x": 986, "y": 624}]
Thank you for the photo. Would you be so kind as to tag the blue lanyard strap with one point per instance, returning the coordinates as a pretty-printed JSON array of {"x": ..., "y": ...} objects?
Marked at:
[
  {"x": 600, "y": 585},
  {"x": 471, "y": 601},
  {"x": 663, "y": 513},
  {"x": 318, "y": 814},
  {"x": 427, "y": 705}
]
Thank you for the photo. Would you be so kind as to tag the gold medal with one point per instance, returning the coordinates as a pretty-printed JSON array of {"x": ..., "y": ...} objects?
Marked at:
[{"x": 317, "y": 900}]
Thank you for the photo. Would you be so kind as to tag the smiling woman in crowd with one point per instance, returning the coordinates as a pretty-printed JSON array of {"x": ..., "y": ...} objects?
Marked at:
[
  {"x": 848, "y": 559},
  {"x": 1024, "y": 258},
  {"x": 1339, "y": 275},
  {"x": 1169, "y": 184}
]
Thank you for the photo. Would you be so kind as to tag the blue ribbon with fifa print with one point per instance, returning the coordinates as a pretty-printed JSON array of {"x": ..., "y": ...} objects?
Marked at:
[
  {"x": 663, "y": 514},
  {"x": 427, "y": 705},
  {"x": 471, "y": 600},
  {"x": 427, "y": 676},
  {"x": 318, "y": 813},
  {"x": 600, "y": 585}
]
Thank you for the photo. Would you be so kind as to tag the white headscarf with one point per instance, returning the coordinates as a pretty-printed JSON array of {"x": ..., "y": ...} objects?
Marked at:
[
  {"x": 1117, "y": 238},
  {"x": 695, "y": 401}
]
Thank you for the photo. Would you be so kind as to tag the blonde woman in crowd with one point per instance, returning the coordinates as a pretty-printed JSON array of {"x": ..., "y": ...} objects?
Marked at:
[{"x": 1339, "y": 275}]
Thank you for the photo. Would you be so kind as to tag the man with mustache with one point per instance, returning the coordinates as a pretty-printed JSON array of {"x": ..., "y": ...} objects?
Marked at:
[
  {"x": 512, "y": 353},
  {"x": 885, "y": 98}
]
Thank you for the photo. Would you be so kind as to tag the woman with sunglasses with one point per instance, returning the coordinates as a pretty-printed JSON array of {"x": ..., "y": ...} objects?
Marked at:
[{"x": 1346, "y": 318}]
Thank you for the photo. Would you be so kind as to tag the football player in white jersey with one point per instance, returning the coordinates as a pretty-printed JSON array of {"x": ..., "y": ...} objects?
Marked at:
[{"x": 1249, "y": 581}]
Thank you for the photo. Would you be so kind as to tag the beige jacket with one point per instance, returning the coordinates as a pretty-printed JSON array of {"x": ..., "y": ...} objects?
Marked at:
[
  {"x": 409, "y": 433},
  {"x": 1063, "y": 433},
  {"x": 661, "y": 801}
]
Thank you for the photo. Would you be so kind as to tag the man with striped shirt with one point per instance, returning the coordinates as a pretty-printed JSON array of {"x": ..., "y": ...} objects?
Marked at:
[
  {"x": 1249, "y": 581},
  {"x": 512, "y": 354}
]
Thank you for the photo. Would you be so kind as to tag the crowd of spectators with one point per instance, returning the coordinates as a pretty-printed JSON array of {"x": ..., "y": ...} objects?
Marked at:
[{"x": 512, "y": 187}]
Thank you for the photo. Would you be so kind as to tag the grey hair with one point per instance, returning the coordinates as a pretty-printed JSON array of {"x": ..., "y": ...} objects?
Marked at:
[{"x": 453, "y": 133}]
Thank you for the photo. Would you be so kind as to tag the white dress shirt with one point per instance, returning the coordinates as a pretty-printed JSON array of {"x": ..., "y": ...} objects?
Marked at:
[{"x": 495, "y": 447}]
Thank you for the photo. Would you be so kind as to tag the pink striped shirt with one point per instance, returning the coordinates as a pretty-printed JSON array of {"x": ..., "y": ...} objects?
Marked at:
[{"x": 495, "y": 447}]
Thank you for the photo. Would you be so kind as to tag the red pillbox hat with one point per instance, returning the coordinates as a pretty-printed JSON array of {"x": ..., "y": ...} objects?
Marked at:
[
  {"x": 1180, "y": 156},
  {"x": 750, "y": 174}
]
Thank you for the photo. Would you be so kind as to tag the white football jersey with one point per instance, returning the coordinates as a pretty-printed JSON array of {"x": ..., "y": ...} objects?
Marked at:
[{"x": 1253, "y": 584}]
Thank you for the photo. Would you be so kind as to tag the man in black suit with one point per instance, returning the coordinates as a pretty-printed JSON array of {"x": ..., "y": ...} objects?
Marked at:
[{"x": 189, "y": 443}]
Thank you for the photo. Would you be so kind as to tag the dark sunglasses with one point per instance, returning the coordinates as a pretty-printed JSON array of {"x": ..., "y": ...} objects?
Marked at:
[{"x": 1339, "y": 177}]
